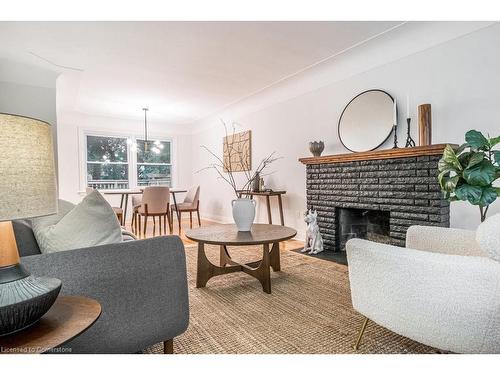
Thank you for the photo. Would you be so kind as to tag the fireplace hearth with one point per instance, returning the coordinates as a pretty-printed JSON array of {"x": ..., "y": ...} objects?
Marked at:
[{"x": 379, "y": 193}]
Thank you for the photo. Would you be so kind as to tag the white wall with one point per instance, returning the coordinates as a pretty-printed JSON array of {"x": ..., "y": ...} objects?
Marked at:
[
  {"x": 26, "y": 100},
  {"x": 29, "y": 91},
  {"x": 459, "y": 77},
  {"x": 71, "y": 126}
]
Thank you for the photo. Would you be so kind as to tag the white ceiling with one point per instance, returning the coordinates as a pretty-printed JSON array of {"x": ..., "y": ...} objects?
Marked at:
[{"x": 182, "y": 71}]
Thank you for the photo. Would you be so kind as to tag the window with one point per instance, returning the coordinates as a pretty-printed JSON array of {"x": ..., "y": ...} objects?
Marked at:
[
  {"x": 154, "y": 163},
  {"x": 107, "y": 162},
  {"x": 122, "y": 162}
]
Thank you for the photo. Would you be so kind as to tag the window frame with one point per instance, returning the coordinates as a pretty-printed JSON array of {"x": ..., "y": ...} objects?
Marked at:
[
  {"x": 153, "y": 164},
  {"x": 131, "y": 155},
  {"x": 87, "y": 162}
]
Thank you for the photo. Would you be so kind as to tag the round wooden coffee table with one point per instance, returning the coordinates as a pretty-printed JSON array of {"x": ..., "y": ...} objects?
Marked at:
[
  {"x": 67, "y": 318},
  {"x": 226, "y": 235}
]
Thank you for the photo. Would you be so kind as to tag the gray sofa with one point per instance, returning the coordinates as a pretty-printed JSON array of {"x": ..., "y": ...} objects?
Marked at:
[{"x": 141, "y": 286}]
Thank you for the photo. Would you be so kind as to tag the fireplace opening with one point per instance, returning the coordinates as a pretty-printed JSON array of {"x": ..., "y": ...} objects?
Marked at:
[{"x": 371, "y": 225}]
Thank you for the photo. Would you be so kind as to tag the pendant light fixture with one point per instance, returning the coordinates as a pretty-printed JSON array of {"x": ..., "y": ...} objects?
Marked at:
[
  {"x": 157, "y": 145},
  {"x": 146, "y": 146}
]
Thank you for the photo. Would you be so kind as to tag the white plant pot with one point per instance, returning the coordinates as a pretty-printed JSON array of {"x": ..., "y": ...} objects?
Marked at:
[{"x": 243, "y": 213}]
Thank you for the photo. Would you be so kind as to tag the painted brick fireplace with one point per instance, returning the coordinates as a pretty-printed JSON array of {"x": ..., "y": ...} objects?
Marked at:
[{"x": 402, "y": 183}]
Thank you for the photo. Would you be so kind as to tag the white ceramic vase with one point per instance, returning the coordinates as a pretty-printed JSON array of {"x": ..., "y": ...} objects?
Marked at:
[{"x": 243, "y": 213}]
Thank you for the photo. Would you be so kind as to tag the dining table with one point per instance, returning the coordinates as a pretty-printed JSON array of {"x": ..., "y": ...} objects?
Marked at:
[{"x": 125, "y": 193}]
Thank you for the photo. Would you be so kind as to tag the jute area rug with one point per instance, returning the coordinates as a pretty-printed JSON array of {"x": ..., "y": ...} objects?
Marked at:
[{"x": 309, "y": 311}]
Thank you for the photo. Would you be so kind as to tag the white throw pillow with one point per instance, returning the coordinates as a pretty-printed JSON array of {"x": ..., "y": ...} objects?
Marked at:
[
  {"x": 488, "y": 236},
  {"x": 90, "y": 223}
]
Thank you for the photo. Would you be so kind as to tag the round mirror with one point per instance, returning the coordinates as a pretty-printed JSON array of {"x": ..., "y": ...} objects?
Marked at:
[{"x": 366, "y": 121}]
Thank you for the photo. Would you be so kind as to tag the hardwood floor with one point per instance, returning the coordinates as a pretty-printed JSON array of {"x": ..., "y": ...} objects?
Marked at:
[{"x": 286, "y": 245}]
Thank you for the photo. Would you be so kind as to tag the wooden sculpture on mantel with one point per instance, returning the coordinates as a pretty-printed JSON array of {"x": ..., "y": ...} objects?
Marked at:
[{"x": 424, "y": 125}]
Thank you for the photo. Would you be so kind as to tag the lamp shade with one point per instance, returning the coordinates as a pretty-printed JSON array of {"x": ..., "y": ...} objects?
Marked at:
[{"x": 27, "y": 170}]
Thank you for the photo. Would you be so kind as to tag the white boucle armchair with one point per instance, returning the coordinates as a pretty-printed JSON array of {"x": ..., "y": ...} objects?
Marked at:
[{"x": 442, "y": 290}]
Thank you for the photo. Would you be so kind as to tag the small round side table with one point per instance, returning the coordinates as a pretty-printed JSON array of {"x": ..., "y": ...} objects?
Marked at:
[{"x": 67, "y": 318}]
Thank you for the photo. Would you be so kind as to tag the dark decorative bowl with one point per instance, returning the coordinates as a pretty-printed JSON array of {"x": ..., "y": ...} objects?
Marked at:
[
  {"x": 23, "y": 302},
  {"x": 316, "y": 148}
]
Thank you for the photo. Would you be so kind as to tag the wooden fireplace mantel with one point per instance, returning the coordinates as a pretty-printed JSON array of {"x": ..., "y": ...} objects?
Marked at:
[{"x": 406, "y": 152}]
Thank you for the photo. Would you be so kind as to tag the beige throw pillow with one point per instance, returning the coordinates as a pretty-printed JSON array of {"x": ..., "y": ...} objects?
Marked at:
[{"x": 90, "y": 223}]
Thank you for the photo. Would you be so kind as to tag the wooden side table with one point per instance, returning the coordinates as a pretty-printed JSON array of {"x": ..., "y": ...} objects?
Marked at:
[
  {"x": 226, "y": 235},
  {"x": 268, "y": 195},
  {"x": 67, "y": 318}
]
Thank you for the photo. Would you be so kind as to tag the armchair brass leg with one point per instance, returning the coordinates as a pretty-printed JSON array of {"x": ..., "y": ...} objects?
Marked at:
[{"x": 360, "y": 335}]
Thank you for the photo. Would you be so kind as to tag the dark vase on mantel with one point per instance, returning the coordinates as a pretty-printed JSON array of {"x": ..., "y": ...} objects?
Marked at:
[{"x": 316, "y": 148}]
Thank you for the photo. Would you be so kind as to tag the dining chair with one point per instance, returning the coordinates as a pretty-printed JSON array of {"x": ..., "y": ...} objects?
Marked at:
[
  {"x": 190, "y": 204},
  {"x": 136, "y": 202},
  {"x": 155, "y": 203},
  {"x": 118, "y": 210}
]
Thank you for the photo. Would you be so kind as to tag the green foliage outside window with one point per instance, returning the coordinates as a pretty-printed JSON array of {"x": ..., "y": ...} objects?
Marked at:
[
  {"x": 107, "y": 158},
  {"x": 103, "y": 149},
  {"x": 162, "y": 154},
  {"x": 153, "y": 165}
]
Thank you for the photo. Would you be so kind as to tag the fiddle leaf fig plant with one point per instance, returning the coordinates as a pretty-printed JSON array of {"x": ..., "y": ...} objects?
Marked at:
[{"x": 469, "y": 172}]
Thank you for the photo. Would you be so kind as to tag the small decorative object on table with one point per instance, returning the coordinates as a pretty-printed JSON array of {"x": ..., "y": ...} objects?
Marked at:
[
  {"x": 256, "y": 183},
  {"x": 235, "y": 160},
  {"x": 24, "y": 299},
  {"x": 314, "y": 241},
  {"x": 425, "y": 124},
  {"x": 243, "y": 213},
  {"x": 316, "y": 148},
  {"x": 469, "y": 172}
]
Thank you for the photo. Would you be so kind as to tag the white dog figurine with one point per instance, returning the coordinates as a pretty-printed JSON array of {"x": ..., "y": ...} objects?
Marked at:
[{"x": 314, "y": 241}]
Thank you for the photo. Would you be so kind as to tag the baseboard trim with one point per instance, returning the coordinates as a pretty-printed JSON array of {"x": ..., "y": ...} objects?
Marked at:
[{"x": 217, "y": 218}]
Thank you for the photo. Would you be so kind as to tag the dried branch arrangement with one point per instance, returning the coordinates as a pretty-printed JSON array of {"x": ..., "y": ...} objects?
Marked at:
[{"x": 225, "y": 168}]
